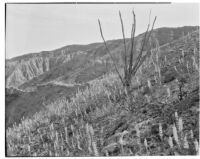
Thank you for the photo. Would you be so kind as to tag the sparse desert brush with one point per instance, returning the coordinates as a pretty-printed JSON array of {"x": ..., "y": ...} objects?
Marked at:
[
  {"x": 131, "y": 67},
  {"x": 94, "y": 123},
  {"x": 184, "y": 143},
  {"x": 61, "y": 130},
  {"x": 62, "y": 136},
  {"x": 56, "y": 141}
]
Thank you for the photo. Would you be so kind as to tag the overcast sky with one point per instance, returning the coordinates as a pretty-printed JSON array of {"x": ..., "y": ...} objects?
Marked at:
[{"x": 38, "y": 27}]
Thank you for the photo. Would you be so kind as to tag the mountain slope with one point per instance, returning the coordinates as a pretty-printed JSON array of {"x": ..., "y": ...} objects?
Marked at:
[
  {"x": 20, "y": 70},
  {"x": 98, "y": 122},
  {"x": 46, "y": 76}
]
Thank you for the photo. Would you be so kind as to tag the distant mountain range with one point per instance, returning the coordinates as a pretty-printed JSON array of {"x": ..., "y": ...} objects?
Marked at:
[{"x": 35, "y": 79}]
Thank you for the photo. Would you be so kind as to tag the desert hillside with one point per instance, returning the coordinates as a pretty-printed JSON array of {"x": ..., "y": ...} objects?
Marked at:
[
  {"x": 70, "y": 102},
  {"x": 48, "y": 75}
]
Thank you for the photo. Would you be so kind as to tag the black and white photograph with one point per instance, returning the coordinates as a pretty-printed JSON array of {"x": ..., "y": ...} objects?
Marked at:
[{"x": 101, "y": 79}]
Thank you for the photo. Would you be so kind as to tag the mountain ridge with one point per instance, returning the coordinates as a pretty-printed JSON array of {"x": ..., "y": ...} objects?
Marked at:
[
  {"x": 96, "y": 43},
  {"x": 19, "y": 71},
  {"x": 65, "y": 77}
]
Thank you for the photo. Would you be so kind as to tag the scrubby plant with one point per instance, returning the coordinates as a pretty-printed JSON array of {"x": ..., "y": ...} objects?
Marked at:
[
  {"x": 181, "y": 83},
  {"x": 131, "y": 68},
  {"x": 184, "y": 144},
  {"x": 54, "y": 133},
  {"x": 65, "y": 139},
  {"x": 92, "y": 123}
]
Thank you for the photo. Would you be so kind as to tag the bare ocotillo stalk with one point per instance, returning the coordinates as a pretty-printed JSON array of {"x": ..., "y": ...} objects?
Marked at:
[
  {"x": 110, "y": 53},
  {"x": 132, "y": 41},
  {"x": 141, "y": 59},
  {"x": 125, "y": 55},
  {"x": 130, "y": 69}
]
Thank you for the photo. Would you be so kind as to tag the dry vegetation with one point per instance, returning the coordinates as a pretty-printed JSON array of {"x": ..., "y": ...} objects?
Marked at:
[{"x": 162, "y": 117}]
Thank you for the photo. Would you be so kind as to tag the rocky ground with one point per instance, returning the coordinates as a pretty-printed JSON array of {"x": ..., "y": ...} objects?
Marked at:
[{"x": 161, "y": 119}]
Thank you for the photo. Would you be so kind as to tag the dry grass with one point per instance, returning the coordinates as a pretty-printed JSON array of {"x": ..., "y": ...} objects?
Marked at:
[{"x": 96, "y": 121}]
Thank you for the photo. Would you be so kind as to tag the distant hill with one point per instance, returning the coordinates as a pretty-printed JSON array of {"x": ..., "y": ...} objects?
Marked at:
[
  {"x": 40, "y": 78},
  {"x": 82, "y": 113},
  {"x": 22, "y": 69}
]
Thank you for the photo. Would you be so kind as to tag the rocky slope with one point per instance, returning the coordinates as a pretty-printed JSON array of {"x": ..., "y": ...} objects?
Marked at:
[
  {"x": 18, "y": 71},
  {"x": 22, "y": 69},
  {"x": 98, "y": 121},
  {"x": 48, "y": 75}
]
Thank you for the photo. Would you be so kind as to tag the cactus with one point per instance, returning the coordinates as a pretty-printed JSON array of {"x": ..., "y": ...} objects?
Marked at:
[{"x": 130, "y": 69}]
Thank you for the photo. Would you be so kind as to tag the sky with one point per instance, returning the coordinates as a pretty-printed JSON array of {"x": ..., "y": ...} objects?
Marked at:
[{"x": 32, "y": 28}]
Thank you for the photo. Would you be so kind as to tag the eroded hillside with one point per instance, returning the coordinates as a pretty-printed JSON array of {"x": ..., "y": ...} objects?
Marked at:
[
  {"x": 163, "y": 118},
  {"x": 45, "y": 66}
]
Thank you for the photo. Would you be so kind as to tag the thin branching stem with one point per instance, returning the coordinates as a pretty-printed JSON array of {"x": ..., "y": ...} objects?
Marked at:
[
  {"x": 132, "y": 42},
  {"x": 129, "y": 69},
  {"x": 142, "y": 48},
  {"x": 140, "y": 60},
  {"x": 124, "y": 40},
  {"x": 110, "y": 52},
  {"x": 145, "y": 40}
]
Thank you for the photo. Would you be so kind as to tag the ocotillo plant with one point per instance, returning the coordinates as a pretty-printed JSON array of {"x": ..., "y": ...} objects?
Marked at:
[{"x": 131, "y": 67}]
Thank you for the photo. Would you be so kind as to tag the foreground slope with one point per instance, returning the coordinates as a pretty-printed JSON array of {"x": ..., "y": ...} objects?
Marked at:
[
  {"x": 49, "y": 75},
  {"x": 98, "y": 122}
]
